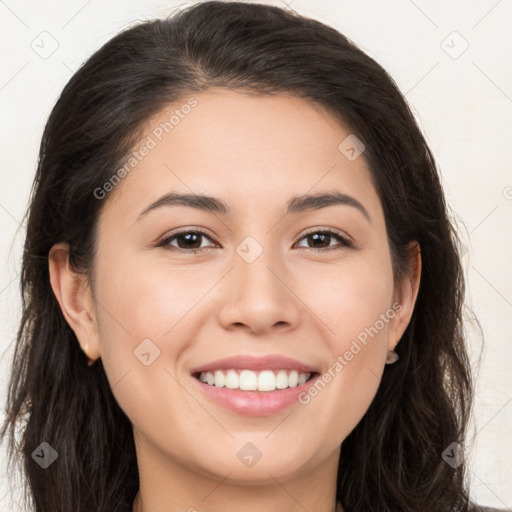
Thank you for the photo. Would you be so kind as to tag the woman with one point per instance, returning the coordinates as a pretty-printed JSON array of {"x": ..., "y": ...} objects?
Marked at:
[{"x": 250, "y": 368}]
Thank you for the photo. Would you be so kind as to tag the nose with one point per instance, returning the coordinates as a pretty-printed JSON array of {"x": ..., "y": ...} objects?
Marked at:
[{"x": 258, "y": 297}]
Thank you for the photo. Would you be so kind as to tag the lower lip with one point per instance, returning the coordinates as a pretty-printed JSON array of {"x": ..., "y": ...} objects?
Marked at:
[{"x": 254, "y": 403}]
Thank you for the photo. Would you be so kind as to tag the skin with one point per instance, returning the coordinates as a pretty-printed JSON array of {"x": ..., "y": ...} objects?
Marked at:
[{"x": 255, "y": 153}]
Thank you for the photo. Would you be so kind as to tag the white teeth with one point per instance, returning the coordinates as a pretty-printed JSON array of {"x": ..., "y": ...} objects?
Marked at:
[
  {"x": 282, "y": 380},
  {"x": 266, "y": 381},
  {"x": 302, "y": 379},
  {"x": 293, "y": 379},
  {"x": 247, "y": 380},
  {"x": 232, "y": 380},
  {"x": 220, "y": 380}
]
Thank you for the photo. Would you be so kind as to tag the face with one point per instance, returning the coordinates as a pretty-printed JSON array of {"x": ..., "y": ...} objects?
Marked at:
[{"x": 291, "y": 288}]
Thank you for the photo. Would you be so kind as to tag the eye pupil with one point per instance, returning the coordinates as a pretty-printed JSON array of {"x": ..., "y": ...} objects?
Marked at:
[
  {"x": 315, "y": 236},
  {"x": 188, "y": 236}
]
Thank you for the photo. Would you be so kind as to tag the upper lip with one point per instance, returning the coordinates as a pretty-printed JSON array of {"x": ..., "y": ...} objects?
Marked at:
[{"x": 255, "y": 363}]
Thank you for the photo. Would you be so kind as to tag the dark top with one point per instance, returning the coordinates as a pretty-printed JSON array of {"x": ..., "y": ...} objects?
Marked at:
[{"x": 478, "y": 508}]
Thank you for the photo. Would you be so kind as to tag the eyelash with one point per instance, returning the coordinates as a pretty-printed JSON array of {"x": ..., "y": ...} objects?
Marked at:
[{"x": 165, "y": 241}]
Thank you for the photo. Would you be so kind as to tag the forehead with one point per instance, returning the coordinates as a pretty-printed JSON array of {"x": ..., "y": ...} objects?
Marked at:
[{"x": 251, "y": 150}]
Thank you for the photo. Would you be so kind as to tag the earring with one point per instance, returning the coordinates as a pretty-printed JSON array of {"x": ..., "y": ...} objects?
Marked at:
[
  {"x": 85, "y": 349},
  {"x": 392, "y": 357}
]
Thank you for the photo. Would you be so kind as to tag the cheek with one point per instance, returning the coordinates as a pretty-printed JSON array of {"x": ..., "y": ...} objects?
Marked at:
[
  {"x": 139, "y": 312},
  {"x": 356, "y": 311},
  {"x": 142, "y": 320},
  {"x": 149, "y": 300},
  {"x": 346, "y": 388},
  {"x": 351, "y": 298}
]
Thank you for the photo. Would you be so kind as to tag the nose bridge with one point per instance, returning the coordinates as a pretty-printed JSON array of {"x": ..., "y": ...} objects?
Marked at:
[
  {"x": 256, "y": 266},
  {"x": 258, "y": 295}
]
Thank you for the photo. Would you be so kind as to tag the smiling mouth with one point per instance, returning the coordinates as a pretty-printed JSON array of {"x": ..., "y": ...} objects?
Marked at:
[{"x": 248, "y": 380}]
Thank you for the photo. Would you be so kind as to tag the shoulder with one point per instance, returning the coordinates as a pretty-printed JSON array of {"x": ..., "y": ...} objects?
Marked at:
[{"x": 478, "y": 508}]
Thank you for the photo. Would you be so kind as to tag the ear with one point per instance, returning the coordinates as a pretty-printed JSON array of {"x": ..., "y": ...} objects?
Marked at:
[
  {"x": 74, "y": 295},
  {"x": 406, "y": 295}
]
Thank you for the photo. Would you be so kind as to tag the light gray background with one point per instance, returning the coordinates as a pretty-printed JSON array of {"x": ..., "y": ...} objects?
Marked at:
[{"x": 461, "y": 97}]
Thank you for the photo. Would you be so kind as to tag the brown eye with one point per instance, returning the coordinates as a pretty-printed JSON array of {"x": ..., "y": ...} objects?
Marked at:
[
  {"x": 189, "y": 241},
  {"x": 323, "y": 238}
]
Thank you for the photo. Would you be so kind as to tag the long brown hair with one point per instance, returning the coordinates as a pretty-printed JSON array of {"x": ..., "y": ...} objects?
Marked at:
[{"x": 393, "y": 459}]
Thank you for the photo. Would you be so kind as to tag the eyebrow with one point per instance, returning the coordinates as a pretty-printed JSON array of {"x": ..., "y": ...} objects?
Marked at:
[{"x": 297, "y": 204}]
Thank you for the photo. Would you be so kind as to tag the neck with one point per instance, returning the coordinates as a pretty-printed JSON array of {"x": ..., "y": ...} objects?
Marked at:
[{"x": 138, "y": 507}]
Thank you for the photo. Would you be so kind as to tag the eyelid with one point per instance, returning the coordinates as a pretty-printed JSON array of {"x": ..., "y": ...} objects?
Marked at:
[{"x": 325, "y": 229}]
